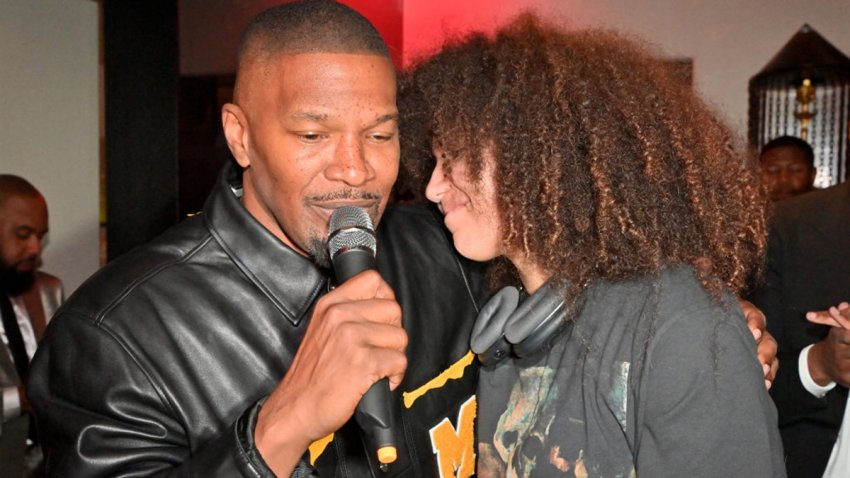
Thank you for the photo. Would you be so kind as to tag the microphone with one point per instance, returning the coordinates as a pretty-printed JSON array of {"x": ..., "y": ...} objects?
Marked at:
[{"x": 352, "y": 245}]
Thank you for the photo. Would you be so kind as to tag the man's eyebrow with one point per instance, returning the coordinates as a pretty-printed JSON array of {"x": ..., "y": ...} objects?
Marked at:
[
  {"x": 322, "y": 117},
  {"x": 308, "y": 116},
  {"x": 384, "y": 118}
]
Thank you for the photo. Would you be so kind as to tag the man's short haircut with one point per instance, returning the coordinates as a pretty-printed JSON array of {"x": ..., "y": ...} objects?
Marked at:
[
  {"x": 783, "y": 141},
  {"x": 11, "y": 186},
  {"x": 310, "y": 26}
]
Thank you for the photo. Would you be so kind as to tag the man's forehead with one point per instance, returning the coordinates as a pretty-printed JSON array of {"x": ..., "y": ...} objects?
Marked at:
[
  {"x": 784, "y": 152},
  {"x": 300, "y": 72},
  {"x": 20, "y": 208},
  {"x": 324, "y": 84},
  {"x": 325, "y": 60}
]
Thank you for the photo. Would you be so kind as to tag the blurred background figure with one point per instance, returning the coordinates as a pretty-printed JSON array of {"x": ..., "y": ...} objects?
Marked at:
[
  {"x": 809, "y": 269},
  {"x": 787, "y": 167},
  {"x": 28, "y": 298}
]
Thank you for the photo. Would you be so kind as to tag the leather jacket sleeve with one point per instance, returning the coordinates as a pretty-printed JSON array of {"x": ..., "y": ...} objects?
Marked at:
[{"x": 95, "y": 427}]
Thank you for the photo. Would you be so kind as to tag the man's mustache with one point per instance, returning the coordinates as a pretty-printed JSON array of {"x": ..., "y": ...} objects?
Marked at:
[
  {"x": 348, "y": 194},
  {"x": 33, "y": 261}
]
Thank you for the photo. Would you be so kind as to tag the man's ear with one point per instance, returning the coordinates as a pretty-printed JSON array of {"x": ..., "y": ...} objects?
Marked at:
[{"x": 236, "y": 133}]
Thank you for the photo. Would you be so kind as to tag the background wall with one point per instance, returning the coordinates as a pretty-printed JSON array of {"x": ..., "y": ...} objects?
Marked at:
[
  {"x": 729, "y": 40},
  {"x": 49, "y": 121}
]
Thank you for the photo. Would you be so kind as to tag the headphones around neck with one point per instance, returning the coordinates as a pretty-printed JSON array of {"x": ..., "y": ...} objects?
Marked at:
[{"x": 505, "y": 326}]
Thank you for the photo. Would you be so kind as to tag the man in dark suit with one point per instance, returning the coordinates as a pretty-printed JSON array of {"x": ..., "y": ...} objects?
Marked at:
[{"x": 809, "y": 269}]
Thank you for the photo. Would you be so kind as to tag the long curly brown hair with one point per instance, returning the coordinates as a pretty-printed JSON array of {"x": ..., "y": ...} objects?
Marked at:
[{"x": 607, "y": 165}]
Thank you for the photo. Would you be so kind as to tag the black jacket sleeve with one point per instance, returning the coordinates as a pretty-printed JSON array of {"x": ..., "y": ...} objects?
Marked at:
[{"x": 111, "y": 419}]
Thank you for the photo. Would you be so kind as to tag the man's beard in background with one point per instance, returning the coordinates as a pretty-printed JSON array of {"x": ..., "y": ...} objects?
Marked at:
[{"x": 16, "y": 282}]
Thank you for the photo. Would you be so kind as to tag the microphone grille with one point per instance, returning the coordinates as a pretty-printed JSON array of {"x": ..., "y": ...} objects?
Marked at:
[{"x": 350, "y": 226}]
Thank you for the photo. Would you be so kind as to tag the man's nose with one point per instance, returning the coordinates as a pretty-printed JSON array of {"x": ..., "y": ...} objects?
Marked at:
[
  {"x": 784, "y": 176},
  {"x": 349, "y": 163},
  {"x": 34, "y": 245}
]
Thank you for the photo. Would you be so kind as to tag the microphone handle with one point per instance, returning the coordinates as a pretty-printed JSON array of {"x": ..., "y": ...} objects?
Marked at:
[
  {"x": 376, "y": 420},
  {"x": 374, "y": 412},
  {"x": 351, "y": 262}
]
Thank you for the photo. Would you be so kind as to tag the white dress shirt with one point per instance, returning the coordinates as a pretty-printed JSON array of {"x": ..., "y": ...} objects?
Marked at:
[
  {"x": 839, "y": 459},
  {"x": 11, "y": 399}
]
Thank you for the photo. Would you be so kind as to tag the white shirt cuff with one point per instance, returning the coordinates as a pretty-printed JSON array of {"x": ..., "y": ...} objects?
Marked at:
[
  {"x": 11, "y": 402},
  {"x": 806, "y": 377}
]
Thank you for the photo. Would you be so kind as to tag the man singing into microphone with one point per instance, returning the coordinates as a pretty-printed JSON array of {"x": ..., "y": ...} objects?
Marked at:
[{"x": 219, "y": 349}]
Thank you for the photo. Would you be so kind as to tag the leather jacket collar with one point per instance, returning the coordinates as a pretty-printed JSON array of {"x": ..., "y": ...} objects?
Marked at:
[{"x": 291, "y": 281}]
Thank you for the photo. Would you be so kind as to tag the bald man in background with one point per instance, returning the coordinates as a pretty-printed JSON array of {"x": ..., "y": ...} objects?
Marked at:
[{"x": 28, "y": 298}]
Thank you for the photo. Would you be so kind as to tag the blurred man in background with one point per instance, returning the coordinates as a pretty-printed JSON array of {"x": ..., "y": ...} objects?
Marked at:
[
  {"x": 28, "y": 298},
  {"x": 787, "y": 167}
]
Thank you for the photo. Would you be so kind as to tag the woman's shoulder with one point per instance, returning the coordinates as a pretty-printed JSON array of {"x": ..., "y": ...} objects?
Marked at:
[
  {"x": 685, "y": 305},
  {"x": 671, "y": 311},
  {"x": 662, "y": 300},
  {"x": 688, "y": 329}
]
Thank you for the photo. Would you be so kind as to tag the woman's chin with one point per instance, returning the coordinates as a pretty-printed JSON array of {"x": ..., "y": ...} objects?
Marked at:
[{"x": 472, "y": 250}]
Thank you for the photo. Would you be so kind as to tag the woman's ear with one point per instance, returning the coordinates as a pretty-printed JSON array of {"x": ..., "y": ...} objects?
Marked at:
[{"x": 235, "y": 127}]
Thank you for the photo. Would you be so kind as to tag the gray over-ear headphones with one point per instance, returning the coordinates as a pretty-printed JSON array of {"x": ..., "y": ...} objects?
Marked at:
[{"x": 505, "y": 326}]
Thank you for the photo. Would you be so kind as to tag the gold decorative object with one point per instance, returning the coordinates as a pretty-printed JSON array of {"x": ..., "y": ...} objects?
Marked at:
[{"x": 805, "y": 96}]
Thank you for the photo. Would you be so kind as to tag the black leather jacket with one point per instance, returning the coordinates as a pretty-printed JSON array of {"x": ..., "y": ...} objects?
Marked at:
[{"x": 156, "y": 366}]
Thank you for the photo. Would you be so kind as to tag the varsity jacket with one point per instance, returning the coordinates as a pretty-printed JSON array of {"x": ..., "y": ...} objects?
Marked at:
[{"x": 157, "y": 365}]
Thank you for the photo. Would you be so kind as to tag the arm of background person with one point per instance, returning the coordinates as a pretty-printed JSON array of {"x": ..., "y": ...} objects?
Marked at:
[
  {"x": 829, "y": 359},
  {"x": 796, "y": 394}
]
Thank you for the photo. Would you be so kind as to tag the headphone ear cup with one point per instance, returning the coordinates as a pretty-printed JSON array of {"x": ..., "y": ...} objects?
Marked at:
[
  {"x": 537, "y": 322},
  {"x": 488, "y": 339}
]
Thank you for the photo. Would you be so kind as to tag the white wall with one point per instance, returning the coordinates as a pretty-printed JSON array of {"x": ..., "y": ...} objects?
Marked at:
[
  {"x": 49, "y": 121},
  {"x": 729, "y": 40}
]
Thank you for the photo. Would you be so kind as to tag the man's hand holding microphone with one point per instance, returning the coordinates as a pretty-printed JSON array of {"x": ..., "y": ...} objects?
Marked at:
[{"x": 353, "y": 341}]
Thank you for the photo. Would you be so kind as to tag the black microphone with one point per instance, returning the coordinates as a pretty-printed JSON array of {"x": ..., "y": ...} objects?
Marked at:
[{"x": 352, "y": 246}]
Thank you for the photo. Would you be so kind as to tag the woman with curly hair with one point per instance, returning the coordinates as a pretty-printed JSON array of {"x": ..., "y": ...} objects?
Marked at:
[{"x": 618, "y": 204}]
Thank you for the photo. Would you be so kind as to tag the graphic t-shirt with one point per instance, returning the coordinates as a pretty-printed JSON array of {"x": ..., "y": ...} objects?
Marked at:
[{"x": 654, "y": 378}]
